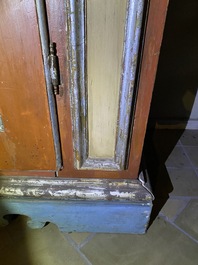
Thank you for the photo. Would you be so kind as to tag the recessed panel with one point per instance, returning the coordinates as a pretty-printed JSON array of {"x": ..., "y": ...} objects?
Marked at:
[{"x": 105, "y": 38}]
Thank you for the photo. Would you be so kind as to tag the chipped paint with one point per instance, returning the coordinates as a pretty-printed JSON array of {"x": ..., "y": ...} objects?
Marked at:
[
  {"x": 75, "y": 189},
  {"x": 123, "y": 195},
  {"x": 76, "y": 33},
  {"x": 69, "y": 203},
  {"x": 11, "y": 190},
  {"x": 80, "y": 216},
  {"x": 127, "y": 91},
  {"x": 2, "y": 129},
  {"x": 44, "y": 37},
  {"x": 143, "y": 178}
]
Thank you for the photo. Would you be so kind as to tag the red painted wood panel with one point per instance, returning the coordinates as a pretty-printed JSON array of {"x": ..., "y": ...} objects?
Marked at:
[
  {"x": 57, "y": 24},
  {"x": 27, "y": 142},
  {"x": 154, "y": 32}
]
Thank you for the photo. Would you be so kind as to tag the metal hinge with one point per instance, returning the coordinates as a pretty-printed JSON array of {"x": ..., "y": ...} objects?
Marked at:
[
  {"x": 1, "y": 125},
  {"x": 54, "y": 68}
]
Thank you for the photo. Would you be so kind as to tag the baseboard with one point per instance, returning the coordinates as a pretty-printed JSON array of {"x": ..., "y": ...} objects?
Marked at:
[{"x": 81, "y": 205}]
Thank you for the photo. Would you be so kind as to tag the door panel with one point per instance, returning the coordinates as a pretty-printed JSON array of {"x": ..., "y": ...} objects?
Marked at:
[
  {"x": 26, "y": 142},
  {"x": 66, "y": 111}
]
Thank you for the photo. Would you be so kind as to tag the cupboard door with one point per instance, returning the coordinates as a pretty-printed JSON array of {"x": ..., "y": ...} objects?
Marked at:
[
  {"x": 26, "y": 138},
  {"x": 107, "y": 74}
]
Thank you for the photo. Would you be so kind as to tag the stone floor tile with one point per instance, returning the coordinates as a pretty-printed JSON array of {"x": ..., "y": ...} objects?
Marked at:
[
  {"x": 173, "y": 207},
  {"x": 192, "y": 152},
  {"x": 163, "y": 244},
  {"x": 46, "y": 246},
  {"x": 178, "y": 158},
  {"x": 79, "y": 238},
  {"x": 6, "y": 240},
  {"x": 190, "y": 137},
  {"x": 184, "y": 182},
  {"x": 161, "y": 143},
  {"x": 188, "y": 219}
]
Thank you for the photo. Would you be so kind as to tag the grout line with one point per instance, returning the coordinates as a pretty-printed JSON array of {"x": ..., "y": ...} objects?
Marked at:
[
  {"x": 181, "y": 147},
  {"x": 179, "y": 143},
  {"x": 86, "y": 240},
  {"x": 192, "y": 165},
  {"x": 189, "y": 145},
  {"x": 186, "y": 199},
  {"x": 178, "y": 167},
  {"x": 178, "y": 228},
  {"x": 196, "y": 171},
  {"x": 182, "y": 197},
  {"x": 71, "y": 241},
  {"x": 179, "y": 211},
  {"x": 76, "y": 247}
]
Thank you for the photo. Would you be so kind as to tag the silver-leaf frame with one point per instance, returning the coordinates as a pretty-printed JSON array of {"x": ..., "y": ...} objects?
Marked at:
[{"x": 76, "y": 34}]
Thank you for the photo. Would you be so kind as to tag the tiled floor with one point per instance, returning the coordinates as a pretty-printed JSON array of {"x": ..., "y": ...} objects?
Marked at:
[{"x": 172, "y": 237}]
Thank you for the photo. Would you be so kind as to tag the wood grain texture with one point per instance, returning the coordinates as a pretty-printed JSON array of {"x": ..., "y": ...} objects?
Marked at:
[
  {"x": 154, "y": 33},
  {"x": 27, "y": 143},
  {"x": 105, "y": 39}
]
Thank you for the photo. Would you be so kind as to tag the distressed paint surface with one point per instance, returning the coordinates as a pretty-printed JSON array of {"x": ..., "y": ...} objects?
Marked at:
[
  {"x": 82, "y": 205},
  {"x": 74, "y": 189},
  {"x": 2, "y": 129},
  {"x": 69, "y": 216},
  {"x": 76, "y": 32},
  {"x": 105, "y": 39}
]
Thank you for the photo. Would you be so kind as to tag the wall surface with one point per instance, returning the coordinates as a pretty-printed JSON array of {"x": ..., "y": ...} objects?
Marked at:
[{"x": 175, "y": 94}]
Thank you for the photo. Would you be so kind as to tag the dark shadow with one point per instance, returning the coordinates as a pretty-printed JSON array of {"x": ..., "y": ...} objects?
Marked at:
[
  {"x": 14, "y": 247},
  {"x": 177, "y": 76},
  {"x": 158, "y": 146},
  {"x": 10, "y": 217},
  {"x": 174, "y": 94}
]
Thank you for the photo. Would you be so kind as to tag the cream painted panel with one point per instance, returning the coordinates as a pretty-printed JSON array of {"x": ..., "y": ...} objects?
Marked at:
[{"x": 105, "y": 37}]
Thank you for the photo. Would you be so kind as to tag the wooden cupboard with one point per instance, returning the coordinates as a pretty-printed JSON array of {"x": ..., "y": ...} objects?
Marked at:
[{"x": 76, "y": 81}]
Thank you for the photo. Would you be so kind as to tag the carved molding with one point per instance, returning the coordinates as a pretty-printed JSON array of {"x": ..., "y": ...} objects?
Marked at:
[
  {"x": 74, "y": 189},
  {"x": 80, "y": 216},
  {"x": 83, "y": 205},
  {"x": 76, "y": 33}
]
